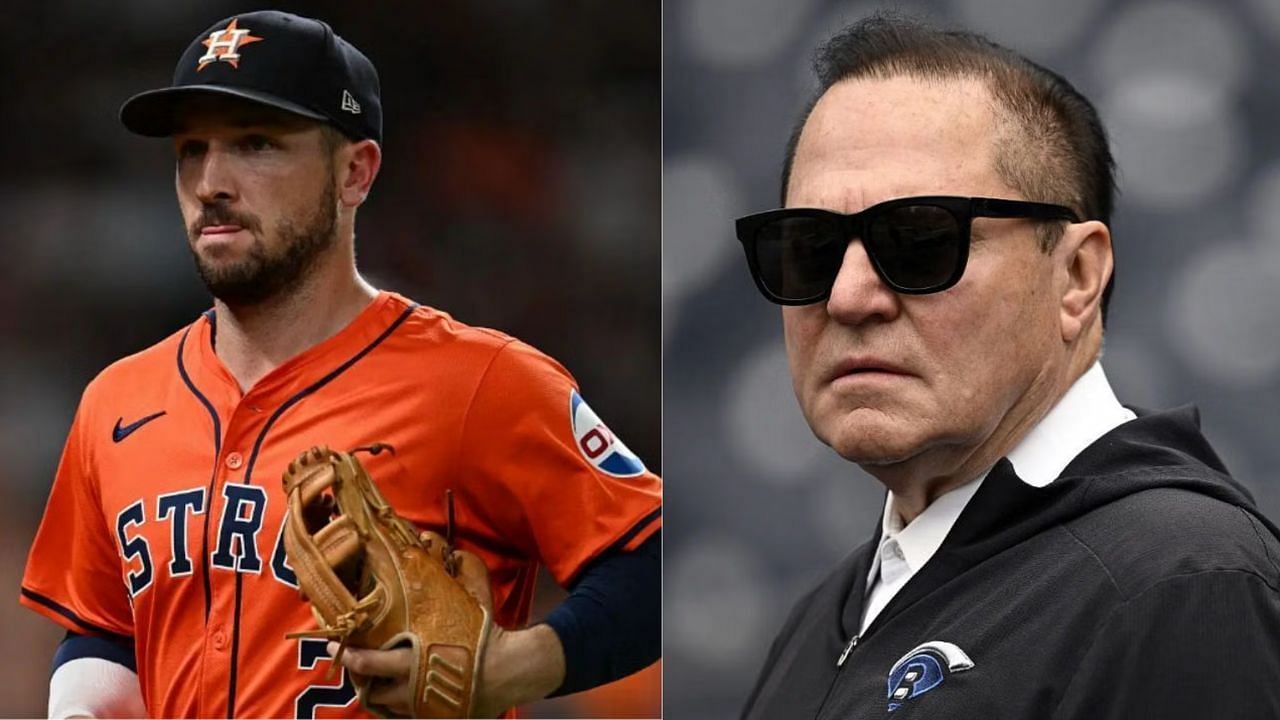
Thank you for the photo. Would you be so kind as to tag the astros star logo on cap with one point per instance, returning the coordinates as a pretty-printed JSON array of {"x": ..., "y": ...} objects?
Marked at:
[
  {"x": 304, "y": 68},
  {"x": 224, "y": 45}
]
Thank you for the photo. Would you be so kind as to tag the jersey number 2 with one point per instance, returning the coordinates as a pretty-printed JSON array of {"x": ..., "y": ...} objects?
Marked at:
[{"x": 310, "y": 652}]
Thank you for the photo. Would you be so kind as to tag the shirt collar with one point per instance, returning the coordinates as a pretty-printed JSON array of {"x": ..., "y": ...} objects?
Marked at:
[
  {"x": 921, "y": 539},
  {"x": 1087, "y": 411}
]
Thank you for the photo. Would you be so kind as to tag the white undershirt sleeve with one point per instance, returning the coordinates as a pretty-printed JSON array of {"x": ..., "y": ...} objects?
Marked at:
[{"x": 97, "y": 688}]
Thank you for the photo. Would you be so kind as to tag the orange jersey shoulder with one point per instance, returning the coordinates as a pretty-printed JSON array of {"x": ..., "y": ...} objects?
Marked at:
[{"x": 164, "y": 523}]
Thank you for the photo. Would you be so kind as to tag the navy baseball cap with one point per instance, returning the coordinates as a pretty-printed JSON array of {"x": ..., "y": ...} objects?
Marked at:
[{"x": 274, "y": 58}]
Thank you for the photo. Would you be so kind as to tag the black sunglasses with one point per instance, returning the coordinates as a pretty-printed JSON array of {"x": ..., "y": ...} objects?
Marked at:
[{"x": 918, "y": 245}]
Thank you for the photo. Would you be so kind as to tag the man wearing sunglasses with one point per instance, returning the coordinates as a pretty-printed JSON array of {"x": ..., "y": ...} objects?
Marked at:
[{"x": 944, "y": 261}]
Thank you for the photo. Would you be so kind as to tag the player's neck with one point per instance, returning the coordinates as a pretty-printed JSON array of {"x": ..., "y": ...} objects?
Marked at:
[{"x": 253, "y": 341}]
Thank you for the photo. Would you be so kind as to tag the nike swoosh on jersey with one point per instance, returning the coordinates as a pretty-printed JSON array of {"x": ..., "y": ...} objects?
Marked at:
[{"x": 120, "y": 433}]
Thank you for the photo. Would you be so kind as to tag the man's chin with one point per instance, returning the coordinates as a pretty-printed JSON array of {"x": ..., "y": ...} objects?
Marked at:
[
  {"x": 875, "y": 442},
  {"x": 236, "y": 290},
  {"x": 876, "y": 457}
]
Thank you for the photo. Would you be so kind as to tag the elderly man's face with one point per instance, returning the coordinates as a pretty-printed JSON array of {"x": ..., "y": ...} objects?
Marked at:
[{"x": 962, "y": 358}]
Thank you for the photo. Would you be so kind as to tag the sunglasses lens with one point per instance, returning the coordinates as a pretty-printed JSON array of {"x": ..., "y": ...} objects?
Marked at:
[
  {"x": 918, "y": 247},
  {"x": 798, "y": 257}
]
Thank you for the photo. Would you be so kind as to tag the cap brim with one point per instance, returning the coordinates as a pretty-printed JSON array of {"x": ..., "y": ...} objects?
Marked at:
[{"x": 153, "y": 113}]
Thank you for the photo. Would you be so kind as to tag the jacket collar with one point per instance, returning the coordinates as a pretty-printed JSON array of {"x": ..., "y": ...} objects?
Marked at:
[{"x": 1158, "y": 449}]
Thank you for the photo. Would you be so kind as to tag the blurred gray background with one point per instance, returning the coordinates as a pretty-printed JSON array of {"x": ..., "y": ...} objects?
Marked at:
[
  {"x": 760, "y": 510},
  {"x": 519, "y": 190}
]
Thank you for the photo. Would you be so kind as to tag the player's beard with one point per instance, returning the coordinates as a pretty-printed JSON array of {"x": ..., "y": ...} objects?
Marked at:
[{"x": 262, "y": 275}]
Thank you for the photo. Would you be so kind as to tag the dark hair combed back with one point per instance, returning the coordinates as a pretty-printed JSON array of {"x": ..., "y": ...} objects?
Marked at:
[{"x": 1052, "y": 146}]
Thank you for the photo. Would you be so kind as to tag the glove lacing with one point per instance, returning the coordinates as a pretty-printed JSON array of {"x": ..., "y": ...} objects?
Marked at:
[{"x": 342, "y": 628}]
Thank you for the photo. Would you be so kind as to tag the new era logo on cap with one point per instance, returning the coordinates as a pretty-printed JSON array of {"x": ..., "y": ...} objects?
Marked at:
[{"x": 349, "y": 103}]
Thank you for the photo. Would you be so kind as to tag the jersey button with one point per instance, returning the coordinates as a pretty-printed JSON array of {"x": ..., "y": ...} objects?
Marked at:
[
  {"x": 234, "y": 461},
  {"x": 219, "y": 640}
]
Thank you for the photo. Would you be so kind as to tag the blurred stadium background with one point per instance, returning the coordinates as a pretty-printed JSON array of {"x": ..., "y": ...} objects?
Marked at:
[
  {"x": 761, "y": 510},
  {"x": 520, "y": 190}
]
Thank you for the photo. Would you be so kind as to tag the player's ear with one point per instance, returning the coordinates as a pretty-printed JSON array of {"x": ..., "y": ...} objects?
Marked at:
[{"x": 355, "y": 166}]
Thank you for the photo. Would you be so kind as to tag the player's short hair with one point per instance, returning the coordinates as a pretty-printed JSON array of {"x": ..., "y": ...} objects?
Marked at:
[
  {"x": 1051, "y": 147},
  {"x": 333, "y": 138}
]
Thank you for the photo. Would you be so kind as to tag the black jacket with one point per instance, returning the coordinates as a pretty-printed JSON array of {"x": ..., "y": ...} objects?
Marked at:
[{"x": 1142, "y": 584}]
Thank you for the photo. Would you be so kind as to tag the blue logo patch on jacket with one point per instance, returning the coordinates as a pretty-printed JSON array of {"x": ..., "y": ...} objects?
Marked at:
[{"x": 924, "y": 669}]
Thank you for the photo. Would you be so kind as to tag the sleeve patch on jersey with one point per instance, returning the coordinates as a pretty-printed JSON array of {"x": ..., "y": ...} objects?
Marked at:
[{"x": 598, "y": 446}]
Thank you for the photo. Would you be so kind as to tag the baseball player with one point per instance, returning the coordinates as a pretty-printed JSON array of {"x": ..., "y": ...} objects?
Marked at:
[{"x": 161, "y": 548}]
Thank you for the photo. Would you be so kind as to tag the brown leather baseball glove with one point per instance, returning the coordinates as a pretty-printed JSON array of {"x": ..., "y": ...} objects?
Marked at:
[{"x": 375, "y": 582}]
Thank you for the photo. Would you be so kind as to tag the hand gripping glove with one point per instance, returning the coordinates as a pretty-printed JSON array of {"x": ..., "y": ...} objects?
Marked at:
[{"x": 374, "y": 582}]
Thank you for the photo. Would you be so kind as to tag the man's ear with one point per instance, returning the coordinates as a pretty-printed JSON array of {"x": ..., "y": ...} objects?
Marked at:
[
  {"x": 357, "y": 165},
  {"x": 1084, "y": 264}
]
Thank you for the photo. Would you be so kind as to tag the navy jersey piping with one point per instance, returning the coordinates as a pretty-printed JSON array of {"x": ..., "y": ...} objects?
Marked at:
[
  {"x": 75, "y": 646},
  {"x": 248, "y": 475},
  {"x": 616, "y": 546},
  {"x": 89, "y": 627},
  {"x": 213, "y": 474},
  {"x": 635, "y": 530}
]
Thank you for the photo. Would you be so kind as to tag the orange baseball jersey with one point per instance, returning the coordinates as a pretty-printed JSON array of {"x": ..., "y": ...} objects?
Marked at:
[{"x": 164, "y": 521}]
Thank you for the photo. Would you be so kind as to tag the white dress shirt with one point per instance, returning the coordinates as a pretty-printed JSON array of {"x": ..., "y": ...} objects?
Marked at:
[{"x": 1085, "y": 413}]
